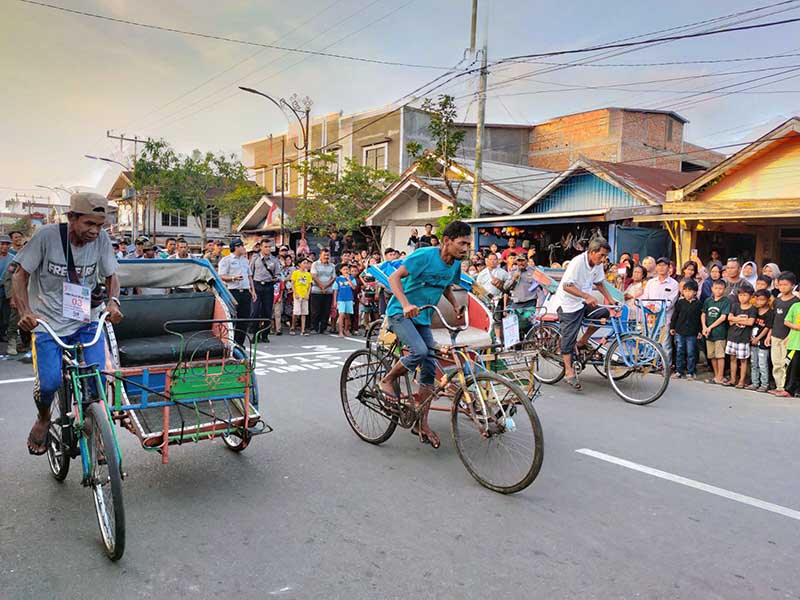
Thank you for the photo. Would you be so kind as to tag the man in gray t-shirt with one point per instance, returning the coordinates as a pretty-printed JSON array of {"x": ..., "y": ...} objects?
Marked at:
[
  {"x": 44, "y": 287},
  {"x": 323, "y": 274}
]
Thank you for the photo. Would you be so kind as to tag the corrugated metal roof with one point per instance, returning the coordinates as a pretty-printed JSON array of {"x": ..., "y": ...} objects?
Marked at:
[
  {"x": 522, "y": 181},
  {"x": 490, "y": 203},
  {"x": 653, "y": 183}
]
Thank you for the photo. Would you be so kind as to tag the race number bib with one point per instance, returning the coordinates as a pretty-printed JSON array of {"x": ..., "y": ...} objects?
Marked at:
[
  {"x": 511, "y": 330},
  {"x": 77, "y": 302}
]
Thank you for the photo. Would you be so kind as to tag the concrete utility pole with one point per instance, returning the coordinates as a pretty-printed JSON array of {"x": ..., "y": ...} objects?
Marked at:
[
  {"x": 484, "y": 74},
  {"x": 135, "y": 139}
]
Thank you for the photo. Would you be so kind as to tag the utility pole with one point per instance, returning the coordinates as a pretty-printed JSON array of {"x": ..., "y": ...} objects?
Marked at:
[
  {"x": 135, "y": 139},
  {"x": 484, "y": 74},
  {"x": 473, "y": 31}
]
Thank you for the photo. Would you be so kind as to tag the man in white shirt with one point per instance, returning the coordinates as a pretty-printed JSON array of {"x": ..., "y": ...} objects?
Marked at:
[
  {"x": 234, "y": 270},
  {"x": 663, "y": 287},
  {"x": 495, "y": 281},
  {"x": 575, "y": 302}
]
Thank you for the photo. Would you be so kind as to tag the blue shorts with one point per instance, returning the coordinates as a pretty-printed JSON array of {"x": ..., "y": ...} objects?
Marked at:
[
  {"x": 47, "y": 360},
  {"x": 345, "y": 307}
]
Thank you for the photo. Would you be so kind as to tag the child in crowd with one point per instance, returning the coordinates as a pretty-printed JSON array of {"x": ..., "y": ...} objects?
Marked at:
[
  {"x": 685, "y": 326},
  {"x": 301, "y": 286},
  {"x": 355, "y": 320},
  {"x": 764, "y": 282},
  {"x": 780, "y": 331},
  {"x": 740, "y": 326},
  {"x": 343, "y": 289},
  {"x": 368, "y": 299},
  {"x": 792, "y": 321},
  {"x": 714, "y": 321},
  {"x": 760, "y": 341}
]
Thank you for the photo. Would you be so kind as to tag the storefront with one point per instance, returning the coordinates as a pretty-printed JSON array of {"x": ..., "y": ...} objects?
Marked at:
[
  {"x": 590, "y": 198},
  {"x": 746, "y": 207}
]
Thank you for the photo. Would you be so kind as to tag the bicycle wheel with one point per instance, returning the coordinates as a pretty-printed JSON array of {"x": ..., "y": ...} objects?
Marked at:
[
  {"x": 504, "y": 449},
  {"x": 361, "y": 402},
  {"x": 546, "y": 338},
  {"x": 105, "y": 479},
  {"x": 58, "y": 436},
  {"x": 372, "y": 333},
  {"x": 636, "y": 367}
]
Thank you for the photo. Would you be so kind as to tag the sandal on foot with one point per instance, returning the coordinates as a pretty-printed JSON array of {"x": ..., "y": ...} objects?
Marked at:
[
  {"x": 573, "y": 383},
  {"x": 37, "y": 446},
  {"x": 425, "y": 438}
]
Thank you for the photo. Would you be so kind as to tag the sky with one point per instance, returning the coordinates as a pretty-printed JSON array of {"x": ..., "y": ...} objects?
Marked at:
[{"x": 68, "y": 79}]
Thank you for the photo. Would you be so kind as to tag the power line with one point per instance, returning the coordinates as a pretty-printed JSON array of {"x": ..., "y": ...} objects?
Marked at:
[
  {"x": 537, "y": 177},
  {"x": 287, "y": 68},
  {"x": 665, "y": 63},
  {"x": 236, "y": 64},
  {"x": 671, "y": 38},
  {"x": 221, "y": 38}
]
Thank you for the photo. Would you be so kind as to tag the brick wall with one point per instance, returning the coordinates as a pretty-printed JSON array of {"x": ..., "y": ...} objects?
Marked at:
[{"x": 611, "y": 134}]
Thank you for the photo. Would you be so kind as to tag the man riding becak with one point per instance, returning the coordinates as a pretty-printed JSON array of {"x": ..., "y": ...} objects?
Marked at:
[
  {"x": 425, "y": 276},
  {"x": 57, "y": 270}
]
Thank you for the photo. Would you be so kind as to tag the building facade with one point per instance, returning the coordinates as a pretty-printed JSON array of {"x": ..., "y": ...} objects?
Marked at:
[{"x": 648, "y": 138}]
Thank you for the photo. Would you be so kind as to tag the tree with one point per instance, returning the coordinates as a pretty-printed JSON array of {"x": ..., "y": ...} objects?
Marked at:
[
  {"x": 24, "y": 225},
  {"x": 341, "y": 200},
  {"x": 193, "y": 184},
  {"x": 436, "y": 162}
]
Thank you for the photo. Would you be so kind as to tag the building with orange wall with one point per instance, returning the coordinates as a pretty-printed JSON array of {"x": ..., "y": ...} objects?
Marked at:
[{"x": 748, "y": 206}]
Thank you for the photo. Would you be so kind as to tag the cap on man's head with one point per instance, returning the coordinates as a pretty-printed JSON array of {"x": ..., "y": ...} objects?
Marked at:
[
  {"x": 235, "y": 243},
  {"x": 662, "y": 259},
  {"x": 4, "y": 239},
  {"x": 282, "y": 248},
  {"x": 142, "y": 239},
  {"x": 87, "y": 203},
  {"x": 114, "y": 243},
  {"x": 148, "y": 245}
]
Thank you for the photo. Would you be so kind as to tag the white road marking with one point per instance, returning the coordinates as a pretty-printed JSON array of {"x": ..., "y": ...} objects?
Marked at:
[
  {"x": 325, "y": 352},
  {"x": 20, "y": 380},
  {"x": 698, "y": 485},
  {"x": 352, "y": 339}
]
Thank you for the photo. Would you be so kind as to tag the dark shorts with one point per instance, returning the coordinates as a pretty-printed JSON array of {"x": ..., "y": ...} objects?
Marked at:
[{"x": 570, "y": 324}]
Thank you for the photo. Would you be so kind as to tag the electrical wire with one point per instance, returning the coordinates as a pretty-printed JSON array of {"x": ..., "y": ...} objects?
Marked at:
[
  {"x": 233, "y": 66},
  {"x": 287, "y": 68},
  {"x": 221, "y": 38}
]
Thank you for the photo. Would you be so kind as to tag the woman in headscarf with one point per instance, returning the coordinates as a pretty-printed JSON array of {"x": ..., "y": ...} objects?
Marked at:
[
  {"x": 772, "y": 270},
  {"x": 714, "y": 273},
  {"x": 750, "y": 273}
]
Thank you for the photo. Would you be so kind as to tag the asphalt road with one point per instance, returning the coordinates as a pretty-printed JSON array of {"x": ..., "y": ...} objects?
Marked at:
[{"x": 310, "y": 511}]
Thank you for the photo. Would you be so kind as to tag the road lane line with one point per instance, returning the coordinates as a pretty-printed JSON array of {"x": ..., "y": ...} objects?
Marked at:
[
  {"x": 269, "y": 356},
  {"x": 352, "y": 339},
  {"x": 698, "y": 485},
  {"x": 20, "y": 380}
]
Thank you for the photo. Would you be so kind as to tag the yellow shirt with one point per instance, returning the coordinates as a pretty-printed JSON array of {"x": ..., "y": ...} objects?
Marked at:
[{"x": 301, "y": 283}]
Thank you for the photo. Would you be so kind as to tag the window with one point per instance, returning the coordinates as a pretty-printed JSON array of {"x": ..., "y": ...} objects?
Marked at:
[
  {"x": 669, "y": 129},
  {"x": 427, "y": 204},
  {"x": 173, "y": 219},
  {"x": 276, "y": 178},
  {"x": 377, "y": 156},
  {"x": 212, "y": 218}
]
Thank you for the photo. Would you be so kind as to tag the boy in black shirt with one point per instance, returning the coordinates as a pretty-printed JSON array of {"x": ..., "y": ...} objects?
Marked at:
[
  {"x": 685, "y": 326},
  {"x": 740, "y": 320},
  {"x": 760, "y": 341}
]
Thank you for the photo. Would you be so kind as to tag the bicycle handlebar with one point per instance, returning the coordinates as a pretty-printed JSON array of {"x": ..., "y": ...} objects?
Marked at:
[
  {"x": 444, "y": 321},
  {"x": 101, "y": 322}
]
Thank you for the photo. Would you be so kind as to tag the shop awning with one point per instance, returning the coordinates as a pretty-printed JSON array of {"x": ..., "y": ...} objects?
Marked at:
[
  {"x": 542, "y": 218},
  {"x": 734, "y": 215}
]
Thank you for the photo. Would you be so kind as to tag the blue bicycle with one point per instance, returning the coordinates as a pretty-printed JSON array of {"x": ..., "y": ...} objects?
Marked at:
[{"x": 634, "y": 364}]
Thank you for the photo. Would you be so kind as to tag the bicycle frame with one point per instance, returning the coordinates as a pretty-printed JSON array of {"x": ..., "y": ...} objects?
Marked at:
[{"x": 78, "y": 378}]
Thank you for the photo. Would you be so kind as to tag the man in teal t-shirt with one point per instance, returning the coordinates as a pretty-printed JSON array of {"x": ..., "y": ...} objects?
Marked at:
[{"x": 424, "y": 277}]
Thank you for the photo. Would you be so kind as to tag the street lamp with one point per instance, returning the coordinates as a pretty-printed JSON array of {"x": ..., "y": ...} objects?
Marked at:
[
  {"x": 135, "y": 220},
  {"x": 296, "y": 108}
]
